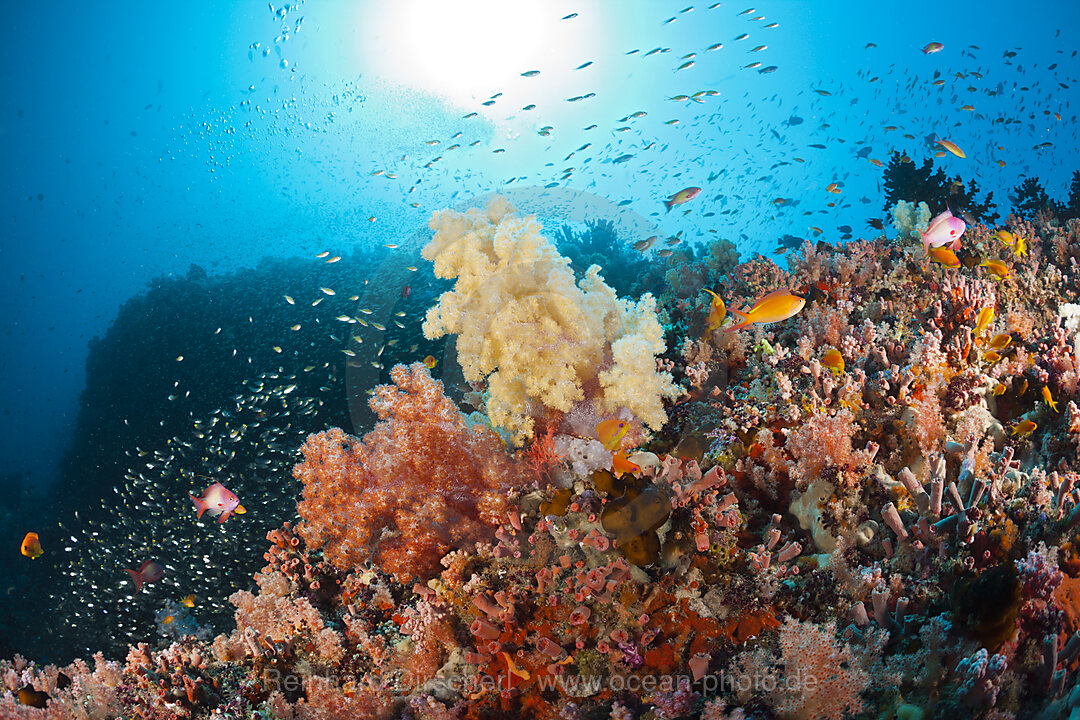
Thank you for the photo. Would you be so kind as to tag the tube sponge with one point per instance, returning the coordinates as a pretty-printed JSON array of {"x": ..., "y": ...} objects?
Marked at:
[{"x": 536, "y": 337}]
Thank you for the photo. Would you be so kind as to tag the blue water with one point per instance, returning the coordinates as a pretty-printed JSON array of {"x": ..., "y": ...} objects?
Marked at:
[{"x": 141, "y": 138}]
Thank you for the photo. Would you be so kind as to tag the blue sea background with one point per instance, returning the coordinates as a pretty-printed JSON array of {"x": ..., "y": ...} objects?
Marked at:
[{"x": 142, "y": 138}]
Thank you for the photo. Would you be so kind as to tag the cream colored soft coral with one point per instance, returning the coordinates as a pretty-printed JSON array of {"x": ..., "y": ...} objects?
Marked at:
[
  {"x": 535, "y": 336},
  {"x": 909, "y": 219}
]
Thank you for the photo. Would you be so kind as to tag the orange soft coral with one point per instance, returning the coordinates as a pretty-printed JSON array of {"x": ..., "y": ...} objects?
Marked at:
[{"x": 420, "y": 484}]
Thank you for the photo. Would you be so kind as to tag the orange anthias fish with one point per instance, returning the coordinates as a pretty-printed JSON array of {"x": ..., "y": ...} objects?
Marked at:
[
  {"x": 611, "y": 432},
  {"x": 1001, "y": 341},
  {"x": 1048, "y": 399},
  {"x": 717, "y": 311},
  {"x": 430, "y": 362},
  {"x": 1024, "y": 428},
  {"x": 189, "y": 601},
  {"x": 31, "y": 546},
  {"x": 986, "y": 316},
  {"x": 945, "y": 257},
  {"x": 620, "y": 464},
  {"x": 1006, "y": 237},
  {"x": 997, "y": 268},
  {"x": 834, "y": 361},
  {"x": 774, "y": 307},
  {"x": 149, "y": 572},
  {"x": 218, "y": 500},
  {"x": 683, "y": 196}
]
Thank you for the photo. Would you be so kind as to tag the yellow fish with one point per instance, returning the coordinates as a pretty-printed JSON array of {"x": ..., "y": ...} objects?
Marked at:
[
  {"x": 991, "y": 357},
  {"x": 1021, "y": 247},
  {"x": 1000, "y": 389},
  {"x": 1024, "y": 428},
  {"x": 611, "y": 433},
  {"x": 997, "y": 268},
  {"x": 986, "y": 316},
  {"x": 430, "y": 362},
  {"x": 834, "y": 361},
  {"x": 1001, "y": 341},
  {"x": 1048, "y": 399},
  {"x": 717, "y": 311},
  {"x": 189, "y": 601},
  {"x": 774, "y": 307},
  {"x": 951, "y": 147},
  {"x": 945, "y": 257}
]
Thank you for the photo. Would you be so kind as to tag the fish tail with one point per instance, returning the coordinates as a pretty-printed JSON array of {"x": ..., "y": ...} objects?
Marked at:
[
  {"x": 135, "y": 578},
  {"x": 200, "y": 505},
  {"x": 744, "y": 321},
  {"x": 668, "y": 204}
]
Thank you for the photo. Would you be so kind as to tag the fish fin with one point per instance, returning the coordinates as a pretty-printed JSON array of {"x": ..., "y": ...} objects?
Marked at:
[
  {"x": 668, "y": 204},
  {"x": 225, "y": 516},
  {"x": 744, "y": 320},
  {"x": 135, "y": 578},
  {"x": 200, "y": 505}
]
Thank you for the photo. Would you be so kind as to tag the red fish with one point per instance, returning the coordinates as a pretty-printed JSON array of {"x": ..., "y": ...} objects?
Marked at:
[
  {"x": 149, "y": 572},
  {"x": 945, "y": 229},
  {"x": 683, "y": 196},
  {"x": 218, "y": 500}
]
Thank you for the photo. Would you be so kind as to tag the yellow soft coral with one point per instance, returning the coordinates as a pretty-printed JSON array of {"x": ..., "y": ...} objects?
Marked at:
[{"x": 535, "y": 336}]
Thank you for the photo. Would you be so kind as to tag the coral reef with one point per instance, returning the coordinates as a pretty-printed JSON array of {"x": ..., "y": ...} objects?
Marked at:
[{"x": 892, "y": 536}]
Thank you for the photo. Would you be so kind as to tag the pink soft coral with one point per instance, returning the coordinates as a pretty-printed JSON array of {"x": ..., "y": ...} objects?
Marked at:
[
  {"x": 420, "y": 484},
  {"x": 821, "y": 441},
  {"x": 823, "y": 678}
]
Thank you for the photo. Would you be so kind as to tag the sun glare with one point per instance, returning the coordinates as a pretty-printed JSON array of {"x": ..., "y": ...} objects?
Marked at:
[{"x": 463, "y": 50}]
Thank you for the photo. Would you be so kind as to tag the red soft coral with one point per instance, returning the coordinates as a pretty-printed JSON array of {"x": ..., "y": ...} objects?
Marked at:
[{"x": 420, "y": 484}]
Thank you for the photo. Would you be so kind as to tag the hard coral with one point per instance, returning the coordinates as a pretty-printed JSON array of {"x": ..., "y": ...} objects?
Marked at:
[
  {"x": 539, "y": 340},
  {"x": 419, "y": 485}
]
